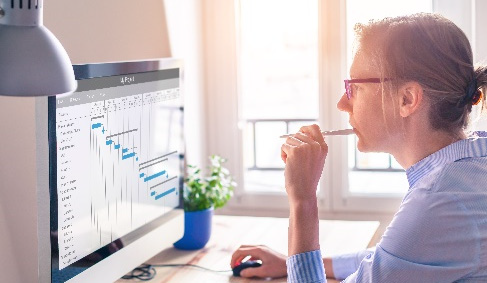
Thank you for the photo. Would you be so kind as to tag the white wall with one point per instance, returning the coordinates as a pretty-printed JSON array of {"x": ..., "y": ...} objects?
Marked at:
[
  {"x": 18, "y": 242},
  {"x": 109, "y": 30},
  {"x": 91, "y": 31},
  {"x": 185, "y": 25},
  {"x": 7, "y": 251}
]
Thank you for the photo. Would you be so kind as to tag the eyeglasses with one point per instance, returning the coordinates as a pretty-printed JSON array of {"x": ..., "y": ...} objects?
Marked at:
[{"x": 348, "y": 87}]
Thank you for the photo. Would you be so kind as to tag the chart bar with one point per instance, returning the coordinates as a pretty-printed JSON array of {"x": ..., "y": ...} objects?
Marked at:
[
  {"x": 165, "y": 193},
  {"x": 97, "y": 125},
  {"x": 128, "y": 155},
  {"x": 148, "y": 178}
]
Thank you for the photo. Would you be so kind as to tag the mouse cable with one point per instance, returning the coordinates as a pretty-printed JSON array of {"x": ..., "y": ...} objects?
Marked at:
[{"x": 146, "y": 272}]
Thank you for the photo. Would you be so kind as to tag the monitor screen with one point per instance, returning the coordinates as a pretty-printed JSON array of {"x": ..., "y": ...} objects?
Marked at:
[{"x": 115, "y": 155}]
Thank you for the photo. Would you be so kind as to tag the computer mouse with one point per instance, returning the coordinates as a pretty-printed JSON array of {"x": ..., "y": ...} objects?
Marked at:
[{"x": 249, "y": 263}]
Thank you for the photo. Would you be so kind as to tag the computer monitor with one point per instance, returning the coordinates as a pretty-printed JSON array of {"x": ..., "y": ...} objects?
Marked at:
[{"x": 115, "y": 169}]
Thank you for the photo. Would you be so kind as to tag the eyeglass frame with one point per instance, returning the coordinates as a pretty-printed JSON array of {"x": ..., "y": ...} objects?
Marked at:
[{"x": 348, "y": 89}]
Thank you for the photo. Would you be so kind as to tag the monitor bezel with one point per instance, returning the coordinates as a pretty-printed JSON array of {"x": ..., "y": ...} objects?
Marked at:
[{"x": 98, "y": 70}]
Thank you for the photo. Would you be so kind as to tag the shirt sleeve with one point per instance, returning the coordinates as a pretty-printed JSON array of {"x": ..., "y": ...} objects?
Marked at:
[
  {"x": 346, "y": 264},
  {"x": 431, "y": 239},
  {"x": 306, "y": 268}
]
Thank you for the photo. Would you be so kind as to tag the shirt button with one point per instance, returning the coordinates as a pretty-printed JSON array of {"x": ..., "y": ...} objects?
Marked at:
[{"x": 368, "y": 256}]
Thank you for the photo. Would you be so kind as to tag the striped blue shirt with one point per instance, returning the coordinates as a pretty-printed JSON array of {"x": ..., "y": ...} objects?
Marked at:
[{"x": 439, "y": 233}]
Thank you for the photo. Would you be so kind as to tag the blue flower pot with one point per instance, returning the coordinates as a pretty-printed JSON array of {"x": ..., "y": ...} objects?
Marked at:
[{"x": 197, "y": 230}]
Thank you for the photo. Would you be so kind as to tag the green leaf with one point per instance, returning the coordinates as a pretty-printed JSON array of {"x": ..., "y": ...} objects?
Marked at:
[{"x": 213, "y": 190}]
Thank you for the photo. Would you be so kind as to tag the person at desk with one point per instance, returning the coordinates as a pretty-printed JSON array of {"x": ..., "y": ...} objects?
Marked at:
[{"x": 412, "y": 88}]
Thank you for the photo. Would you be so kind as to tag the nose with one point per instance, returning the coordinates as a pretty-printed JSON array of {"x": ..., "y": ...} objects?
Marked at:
[{"x": 344, "y": 104}]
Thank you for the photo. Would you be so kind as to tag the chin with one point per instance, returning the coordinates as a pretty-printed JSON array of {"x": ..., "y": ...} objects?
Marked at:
[
  {"x": 364, "y": 147},
  {"x": 361, "y": 147},
  {"x": 368, "y": 145}
]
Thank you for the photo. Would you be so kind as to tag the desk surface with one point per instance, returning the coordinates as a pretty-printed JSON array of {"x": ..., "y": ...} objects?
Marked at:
[{"x": 229, "y": 232}]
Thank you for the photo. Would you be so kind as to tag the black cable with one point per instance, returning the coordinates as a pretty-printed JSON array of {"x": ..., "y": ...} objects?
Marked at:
[
  {"x": 189, "y": 265},
  {"x": 146, "y": 272}
]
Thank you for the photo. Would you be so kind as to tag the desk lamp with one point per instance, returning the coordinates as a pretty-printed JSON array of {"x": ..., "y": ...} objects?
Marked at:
[{"x": 32, "y": 60}]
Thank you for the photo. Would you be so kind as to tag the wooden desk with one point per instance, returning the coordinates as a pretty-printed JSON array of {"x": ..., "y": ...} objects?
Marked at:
[{"x": 229, "y": 232}]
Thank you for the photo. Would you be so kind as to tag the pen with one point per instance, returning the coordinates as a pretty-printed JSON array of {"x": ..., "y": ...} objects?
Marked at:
[{"x": 329, "y": 133}]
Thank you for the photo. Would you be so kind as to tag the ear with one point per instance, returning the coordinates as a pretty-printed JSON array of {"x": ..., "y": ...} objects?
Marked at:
[{"x": 410, "y": 98}]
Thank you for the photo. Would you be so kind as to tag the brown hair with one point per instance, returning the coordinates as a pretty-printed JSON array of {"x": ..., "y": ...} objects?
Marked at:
[{"x": 432, "y": 51}]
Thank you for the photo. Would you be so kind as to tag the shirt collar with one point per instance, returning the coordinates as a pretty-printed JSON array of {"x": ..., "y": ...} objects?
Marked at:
[{"x": 474, "y": 146}]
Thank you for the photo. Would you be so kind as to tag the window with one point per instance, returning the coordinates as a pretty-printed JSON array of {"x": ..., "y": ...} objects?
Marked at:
[{"x": 278, "y": 50}]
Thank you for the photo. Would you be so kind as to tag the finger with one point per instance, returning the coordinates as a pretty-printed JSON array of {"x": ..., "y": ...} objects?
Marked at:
[
  {"x": 314, "y": 132},
  {"x": 285, "y": 149},
  {"x": 237, "y": 257},
  {"x": 242, "y": 253},
  {"x": 254, "y": 272},
  {"x": 253, "y": 251},
  {"x": 304, "y": 138},
  {"x": 293, "y": 140},
  {"x": 236, "y": 261}
]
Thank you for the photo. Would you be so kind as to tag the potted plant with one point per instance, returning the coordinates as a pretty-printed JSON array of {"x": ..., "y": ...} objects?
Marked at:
[{"x": 201, "y": 195}]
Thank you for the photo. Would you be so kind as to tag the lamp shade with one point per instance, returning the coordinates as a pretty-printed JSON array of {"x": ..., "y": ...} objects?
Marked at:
[{"x": 32, "y": 60}]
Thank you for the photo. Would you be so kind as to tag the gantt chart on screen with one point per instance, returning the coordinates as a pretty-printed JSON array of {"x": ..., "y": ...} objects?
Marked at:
[{"x": 117, "y": 159}]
